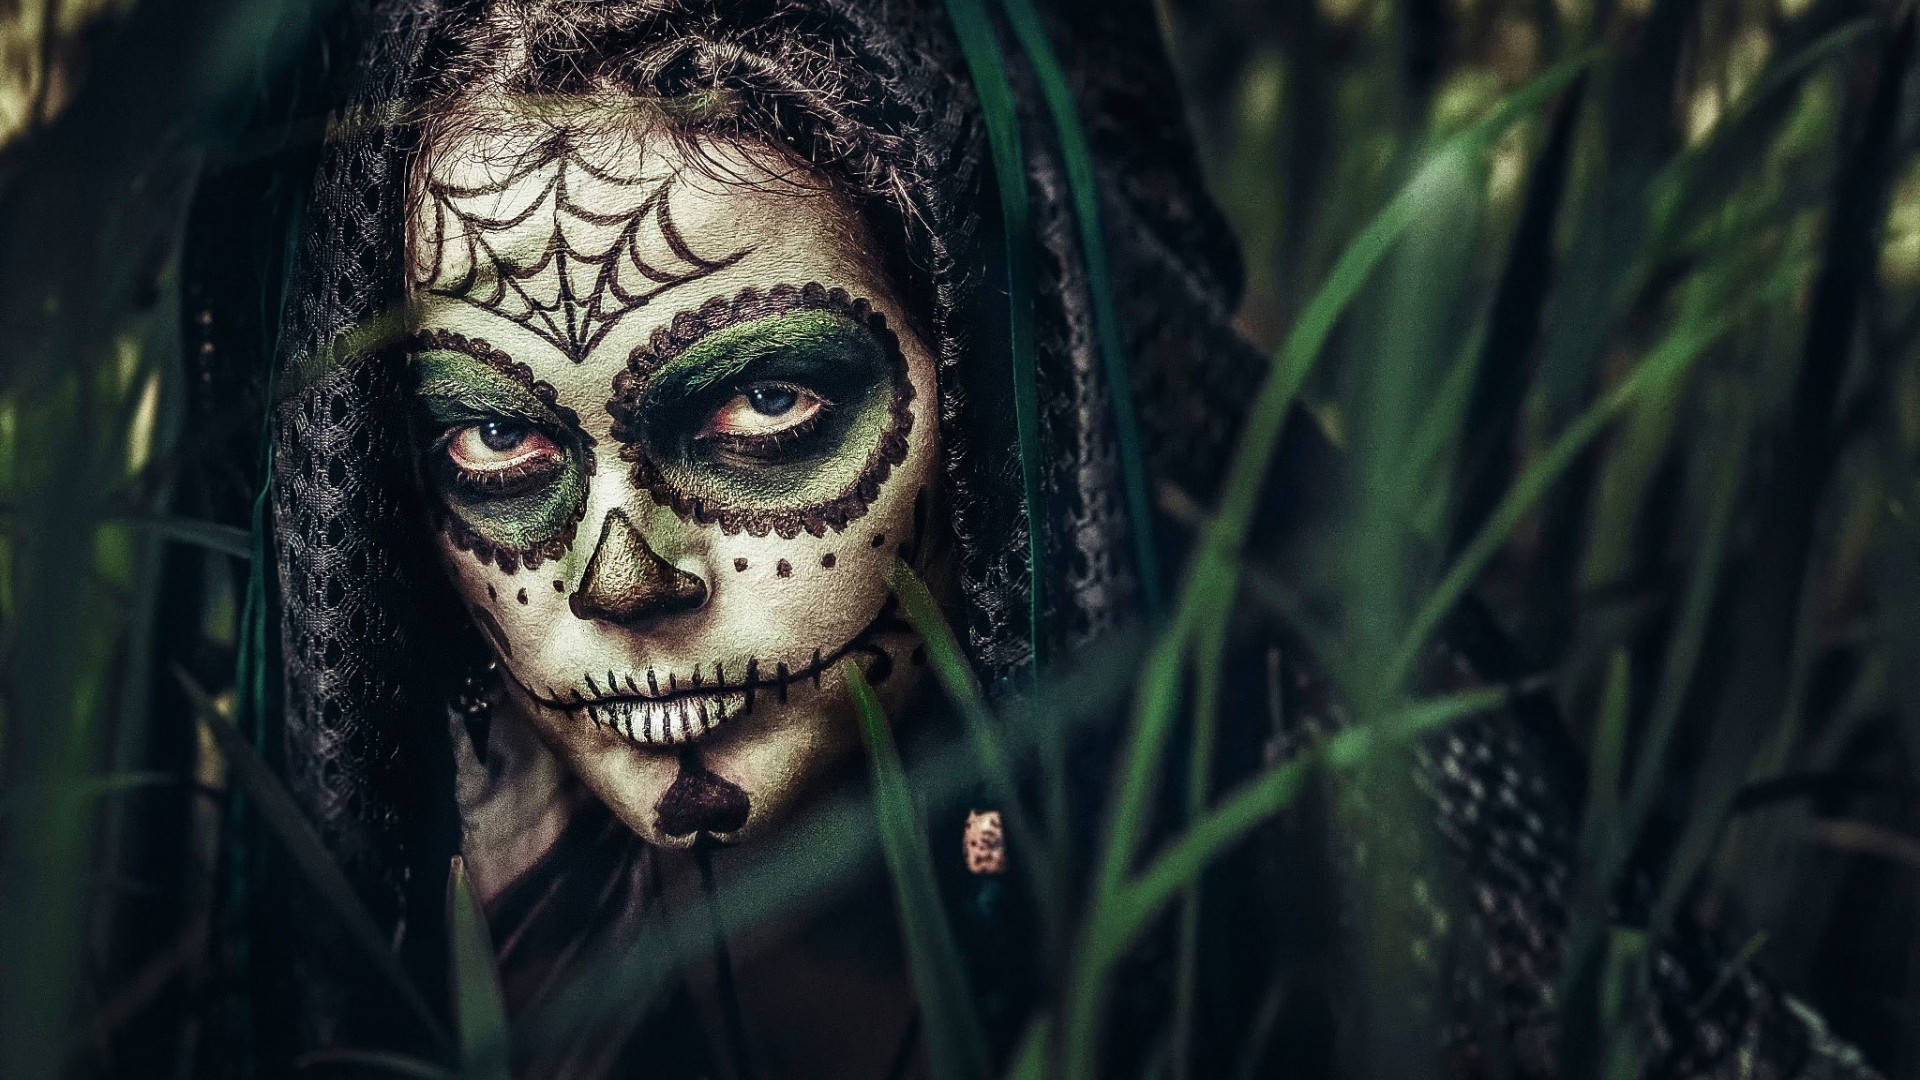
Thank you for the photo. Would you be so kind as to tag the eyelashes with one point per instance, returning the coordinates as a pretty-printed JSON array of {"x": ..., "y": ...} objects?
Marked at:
[
  {"x": 756, "y": 423},
  {"x": 494, "y": 446},
  {"x": 763, "y": 421},
  {"x": 764, "y": 449},
  {"x": 778, "y": 411},
  {"x": 500, "y": 457}
]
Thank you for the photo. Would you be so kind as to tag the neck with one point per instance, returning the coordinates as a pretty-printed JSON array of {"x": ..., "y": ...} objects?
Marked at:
[{"x": 817, "y": 987}]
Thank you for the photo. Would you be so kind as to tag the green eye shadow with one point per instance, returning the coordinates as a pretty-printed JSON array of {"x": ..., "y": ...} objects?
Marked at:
[
  {"x": 461, "y": 381},
  {"x": 837, "y": 347}
]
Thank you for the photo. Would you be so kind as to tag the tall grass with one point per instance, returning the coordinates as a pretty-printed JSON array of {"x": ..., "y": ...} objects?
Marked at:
[{"x": 1611, "y": 312}]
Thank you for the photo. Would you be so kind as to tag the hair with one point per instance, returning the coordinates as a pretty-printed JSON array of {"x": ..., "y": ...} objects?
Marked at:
[
  {"x": 791, "y": 85},
  {"x": 870, "y": 101},
  {"x": 820, "y": 102}
]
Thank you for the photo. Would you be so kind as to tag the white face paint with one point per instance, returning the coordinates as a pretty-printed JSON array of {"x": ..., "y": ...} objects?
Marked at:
[{"x": 677, "y": 430}]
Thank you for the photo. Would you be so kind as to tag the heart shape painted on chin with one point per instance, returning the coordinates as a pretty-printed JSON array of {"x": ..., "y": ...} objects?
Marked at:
[{"x": 699, "y": 801}]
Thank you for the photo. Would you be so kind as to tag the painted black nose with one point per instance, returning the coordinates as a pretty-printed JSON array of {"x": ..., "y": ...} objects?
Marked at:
[{"x": 628, "y": 582}]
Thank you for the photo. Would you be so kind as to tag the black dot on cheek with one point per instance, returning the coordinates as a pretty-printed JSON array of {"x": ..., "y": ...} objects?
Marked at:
[
  {"x": 783, "y": 568},
  {"x": 827, "y": 560},
  {"x": 739, "y": 565},
  {"x": 559, "y": 586},
  {"x": 491, "y": 595},
  {"x": 522, "y": 597},
  {"x": 879, "y": 539}
]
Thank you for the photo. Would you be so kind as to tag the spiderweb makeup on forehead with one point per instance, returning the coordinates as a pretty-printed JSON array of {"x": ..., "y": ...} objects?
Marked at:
[{"x": 571, "y": 288}]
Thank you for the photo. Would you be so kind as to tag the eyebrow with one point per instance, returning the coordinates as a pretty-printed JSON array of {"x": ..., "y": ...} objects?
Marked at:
[
  {"x": 483, "y": 394},
  {"x": 735, "y": 348},
  {"x": 469, "y": 371}
]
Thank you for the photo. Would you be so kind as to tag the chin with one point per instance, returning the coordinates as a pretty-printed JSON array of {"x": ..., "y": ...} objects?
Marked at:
[{"x": 727, "y": 782}]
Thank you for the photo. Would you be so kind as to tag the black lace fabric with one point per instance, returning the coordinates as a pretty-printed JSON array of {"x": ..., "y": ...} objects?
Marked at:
[
  {"x": 360, "y": 703},
  {"x": 1484, "y": 902},
  {"x": 1478, "y": 920}
]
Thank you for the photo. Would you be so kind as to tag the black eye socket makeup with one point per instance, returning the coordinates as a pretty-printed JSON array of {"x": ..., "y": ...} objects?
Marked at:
[
  {"x": 778, "y": 411},
  {"x": 507, "y": 464},
  {"x": 771, "y": 405}
]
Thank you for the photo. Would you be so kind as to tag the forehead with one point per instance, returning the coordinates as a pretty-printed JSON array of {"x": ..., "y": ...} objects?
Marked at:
[
  {"x": 574, "y": 248},
  {"x": 520, "y": 180}
]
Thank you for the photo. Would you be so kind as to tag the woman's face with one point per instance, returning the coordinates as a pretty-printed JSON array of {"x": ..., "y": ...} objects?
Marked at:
[{"x": 675, "y": 431}]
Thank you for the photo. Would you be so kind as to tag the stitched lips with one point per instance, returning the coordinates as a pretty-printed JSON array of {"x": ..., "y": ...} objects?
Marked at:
[{"x": 674, "y": 711}]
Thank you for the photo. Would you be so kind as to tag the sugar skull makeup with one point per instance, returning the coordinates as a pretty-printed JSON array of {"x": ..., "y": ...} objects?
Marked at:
[{"x": 673, "y": 431}]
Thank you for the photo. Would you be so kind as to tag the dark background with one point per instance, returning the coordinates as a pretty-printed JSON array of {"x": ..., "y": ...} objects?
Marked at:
[{"x": 1722, "y": 581}]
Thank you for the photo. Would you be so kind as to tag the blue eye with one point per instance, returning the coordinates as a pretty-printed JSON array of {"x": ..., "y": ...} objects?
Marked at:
[
  {"x": 765, "y": 410},
  {"x": 494, "y": 446},
  {"x": 772, "y": 400},
  {"x": 502, "y": 435}
]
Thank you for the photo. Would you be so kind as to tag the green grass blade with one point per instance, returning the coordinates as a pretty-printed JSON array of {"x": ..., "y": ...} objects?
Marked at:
[
  {"x": 1615, "y": 818},
  {"x": 92, "y": 787},
  {"x": 1158, "y": 692},
  {"x": 1626, "y": 958},
  {"x": 1728, "y": 468},
  {"x": 1609, "y": 750},
  {"x": 988, "y": 69},
  {"x": 1213, "y": 576},
  {"x": 380, "y": 1060},
  {"x": 225, "y": 539},
  {"x": 1260, "y": 799},
  {"x": 956, "y": 1047},
  {"x": 1699, "y": 180},
  {"x": 1030, "y": 1060},
  {"x": 1305, "y": 342},
  {"x": 1437, "y": 432},
  {"x": 1212, "y": 579},
  {"x": 1659, "y": 373},
  {"x": 957, "y": 679},
  {"x": 479, "y": 1010},
  {"x": 1077, "y": 159},
  {"x": 1208, "y": 657},
  {"x": 1511, "y": 329},
  {"x": 309, "y": 853},
  {"x": 1584, "y": 987}
]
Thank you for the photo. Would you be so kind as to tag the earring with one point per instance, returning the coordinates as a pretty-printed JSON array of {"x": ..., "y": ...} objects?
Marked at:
[{"x": 984, "y": 843}]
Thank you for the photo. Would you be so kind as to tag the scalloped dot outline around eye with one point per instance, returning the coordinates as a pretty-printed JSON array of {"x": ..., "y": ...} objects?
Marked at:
[{"x": 752, "y": 304}]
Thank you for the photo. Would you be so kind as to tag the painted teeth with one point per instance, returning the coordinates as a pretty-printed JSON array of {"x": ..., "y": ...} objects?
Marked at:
[
  {"x": 657, "y": 717},
  {"x": 666, "y": 723}
]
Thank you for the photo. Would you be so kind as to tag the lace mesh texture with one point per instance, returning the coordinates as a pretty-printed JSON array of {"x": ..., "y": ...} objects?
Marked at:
[
  {"x": 890, "y": 113},
  {"x": 360, "y": 692}
]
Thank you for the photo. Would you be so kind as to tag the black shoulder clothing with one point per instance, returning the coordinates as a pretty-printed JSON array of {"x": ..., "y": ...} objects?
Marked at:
[{"x": 876, "y": 96}]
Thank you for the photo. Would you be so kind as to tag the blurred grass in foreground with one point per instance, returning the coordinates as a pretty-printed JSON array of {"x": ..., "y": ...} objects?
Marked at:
[{"x": 1613, "y": 310}]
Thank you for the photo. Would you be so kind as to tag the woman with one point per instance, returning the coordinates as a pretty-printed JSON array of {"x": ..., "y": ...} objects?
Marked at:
[{"x": 629, "y": 346}]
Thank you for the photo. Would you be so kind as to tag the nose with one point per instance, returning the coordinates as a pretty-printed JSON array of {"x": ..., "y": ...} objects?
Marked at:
[{"x": 628, "y": 582}]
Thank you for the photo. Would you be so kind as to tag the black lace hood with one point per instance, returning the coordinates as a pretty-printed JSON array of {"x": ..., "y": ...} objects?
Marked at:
[{"x": 875, "y": 96}]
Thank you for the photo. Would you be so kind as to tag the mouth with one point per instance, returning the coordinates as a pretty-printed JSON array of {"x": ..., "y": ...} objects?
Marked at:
[{"x": 656, "y": 709}]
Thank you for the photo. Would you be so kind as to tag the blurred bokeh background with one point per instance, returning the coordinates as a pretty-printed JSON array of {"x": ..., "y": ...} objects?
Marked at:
[
  {"x": 1307, "y": 115},
  {"x": 1717, "y": 585}
]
